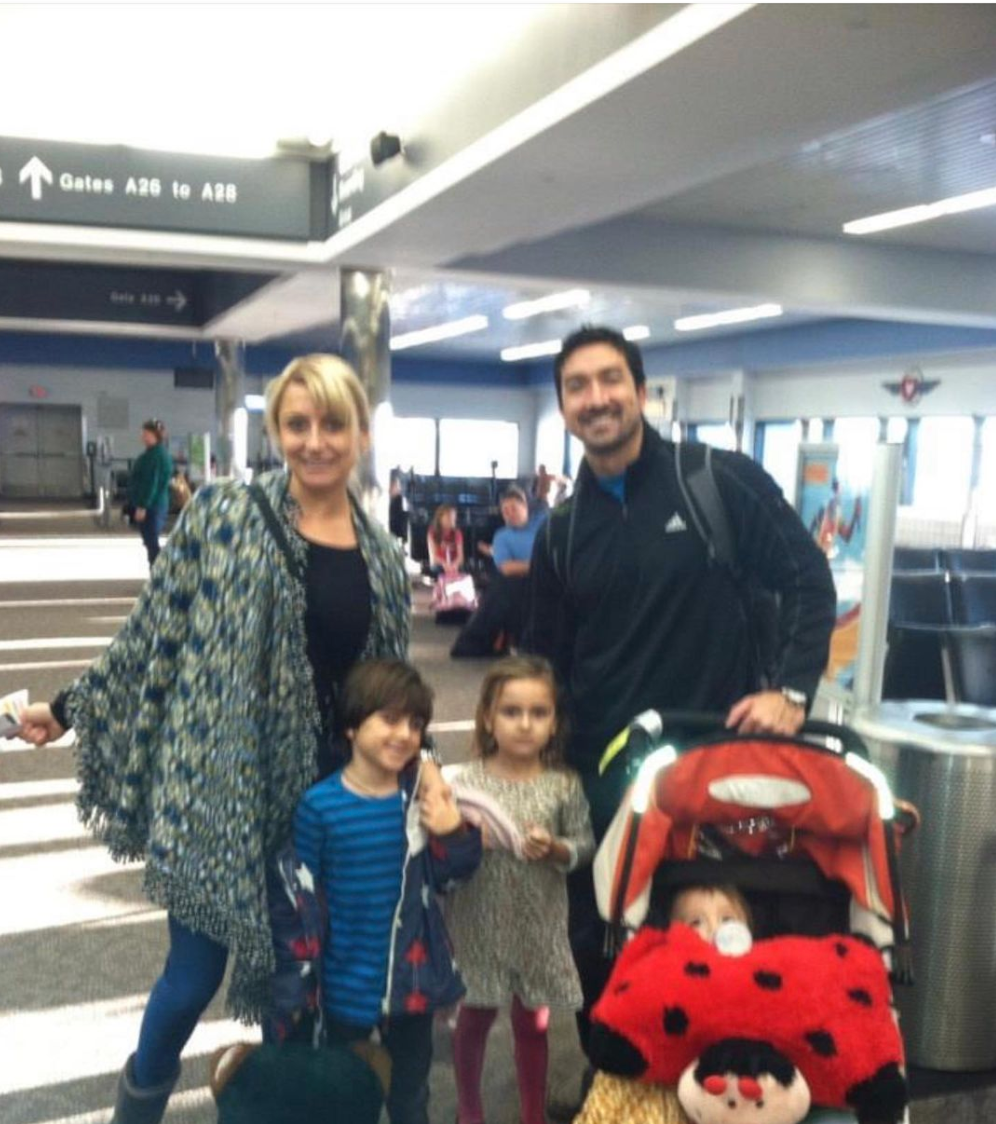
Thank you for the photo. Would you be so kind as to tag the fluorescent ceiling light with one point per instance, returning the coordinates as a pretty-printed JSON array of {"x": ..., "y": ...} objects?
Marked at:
[
  {"x": 530, "y": 351},
  {"x": 439, "y": 332},
  {"x": 636, "y": 332},
  {"x": 730, "y": 316},
  {"x": 922, "y": 212},
  {"x": 572, "y": 298}
]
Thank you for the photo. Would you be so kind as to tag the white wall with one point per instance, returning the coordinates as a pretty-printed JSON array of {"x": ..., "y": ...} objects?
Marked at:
[
  {"x": 149, "y": 394},
  {"x": 967, "y": 386}
]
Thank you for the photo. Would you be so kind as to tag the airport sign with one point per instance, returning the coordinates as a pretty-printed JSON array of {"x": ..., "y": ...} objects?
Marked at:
[{"x": 117, "y": 186}]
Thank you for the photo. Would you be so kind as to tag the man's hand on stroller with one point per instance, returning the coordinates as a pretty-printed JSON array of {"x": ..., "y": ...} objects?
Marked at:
[{"x": 766, "y": 712}]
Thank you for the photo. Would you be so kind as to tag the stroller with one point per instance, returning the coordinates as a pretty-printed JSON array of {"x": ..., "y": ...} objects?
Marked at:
[{"x": 808, "y": 833}]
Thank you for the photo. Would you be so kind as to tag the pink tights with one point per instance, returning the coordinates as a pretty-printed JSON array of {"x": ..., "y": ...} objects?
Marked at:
[{"x": 469, "y": 1040}]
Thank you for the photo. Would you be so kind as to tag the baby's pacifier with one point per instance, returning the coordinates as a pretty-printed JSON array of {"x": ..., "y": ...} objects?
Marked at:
[{"x": 733, "y": 938}]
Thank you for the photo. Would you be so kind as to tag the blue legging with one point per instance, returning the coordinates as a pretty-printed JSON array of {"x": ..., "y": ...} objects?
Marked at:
[
  {"x": 151, "y": 528},
  {"x": 193, "y": 973}
]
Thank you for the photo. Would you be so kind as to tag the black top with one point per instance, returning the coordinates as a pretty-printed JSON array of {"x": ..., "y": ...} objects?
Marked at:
[
  {"x": 625, "y": 602},
  {"x": 337, "y": 621}
]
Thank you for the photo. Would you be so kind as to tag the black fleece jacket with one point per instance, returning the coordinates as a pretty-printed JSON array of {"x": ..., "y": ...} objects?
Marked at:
[{"x": 625, "y": 603}]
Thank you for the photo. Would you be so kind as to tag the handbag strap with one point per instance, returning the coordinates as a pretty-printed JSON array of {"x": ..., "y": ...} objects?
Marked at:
[{"x": 273, "y": 523}]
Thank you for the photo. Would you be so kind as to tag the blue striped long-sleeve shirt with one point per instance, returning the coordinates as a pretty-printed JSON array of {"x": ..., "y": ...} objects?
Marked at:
[{"x": 355, "y": 847}]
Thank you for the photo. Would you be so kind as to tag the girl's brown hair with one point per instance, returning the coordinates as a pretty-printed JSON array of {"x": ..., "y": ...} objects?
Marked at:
[
  {"x": 436, "y": 526},
  {"x": 505, "y": 671}
]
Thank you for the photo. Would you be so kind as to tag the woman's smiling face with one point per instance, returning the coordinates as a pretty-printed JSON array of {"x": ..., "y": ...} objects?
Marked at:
[{"x": 320, "y": 450}]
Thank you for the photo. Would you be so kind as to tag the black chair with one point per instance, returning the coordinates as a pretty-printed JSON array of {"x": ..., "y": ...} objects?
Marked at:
[
  {"x": 972, "y": 652},
  {"x": 920, "y": 599},
  {"x": 973, "y": 599},
  {"x": 969, "y": 561},
  {"x": 905, "y": 558},
  {"x": 914, "y": 666}
]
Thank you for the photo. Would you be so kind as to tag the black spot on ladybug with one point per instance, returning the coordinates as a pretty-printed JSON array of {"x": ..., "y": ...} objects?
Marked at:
[
  {"x": 675, "y": 1020},
  {"x": 693, "y": 968},
  {"x": 822, "y": 1043},
  {"x": 841, "y": 949},
  {"x": 621, "y": 988},
  {"x": 881, "y": 1097},
  {"x": 614, "y": 1053},
  {"x": 770, "y": 981},
  {"x": 859, "y": 995}
]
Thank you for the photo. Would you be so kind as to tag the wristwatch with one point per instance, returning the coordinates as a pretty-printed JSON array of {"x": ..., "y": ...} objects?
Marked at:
[{"x": 796, "y": 698}]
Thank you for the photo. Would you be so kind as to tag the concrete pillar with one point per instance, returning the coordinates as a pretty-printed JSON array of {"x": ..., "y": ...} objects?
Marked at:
[
  {"x": 230, "y": 418},
  {"x": 365, "y": 318}
]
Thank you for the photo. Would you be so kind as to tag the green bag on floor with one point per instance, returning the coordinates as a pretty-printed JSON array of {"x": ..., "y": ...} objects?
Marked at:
[{"x": 299, "y": 1084}]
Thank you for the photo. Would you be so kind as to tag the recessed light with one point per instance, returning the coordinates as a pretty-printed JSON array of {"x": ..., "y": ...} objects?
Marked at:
[
  {"x": 636, "y": 332},
  {"x": 730, "y": 316},
  {"x": 571, "y": 298},
  {"x": 439, "y": 332},
  {"x": 922, "y": 212},
  {"x": 530, "y": 351}
]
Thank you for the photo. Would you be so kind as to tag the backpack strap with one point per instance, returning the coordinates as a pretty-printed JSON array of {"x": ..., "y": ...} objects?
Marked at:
[
  {"x": 559, "y": 550},
  {"x": 707, "y": 509},
  {"x": 276, "y": 530}
]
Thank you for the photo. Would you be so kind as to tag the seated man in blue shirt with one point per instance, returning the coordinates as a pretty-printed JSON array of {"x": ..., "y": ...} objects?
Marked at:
[
  {"x": 513, "y": 544},
  {"x": 497, "y": 623}
]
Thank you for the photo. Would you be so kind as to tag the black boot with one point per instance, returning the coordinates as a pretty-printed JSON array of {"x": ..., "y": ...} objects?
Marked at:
[{"x": 135, "y": 1105}]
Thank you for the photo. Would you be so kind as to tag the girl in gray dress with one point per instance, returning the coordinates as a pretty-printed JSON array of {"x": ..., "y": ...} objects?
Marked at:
[{"x": 509, "y": 922}]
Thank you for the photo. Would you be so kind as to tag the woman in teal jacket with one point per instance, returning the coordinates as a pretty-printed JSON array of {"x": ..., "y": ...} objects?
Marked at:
[{"x": 148, "y": 486}]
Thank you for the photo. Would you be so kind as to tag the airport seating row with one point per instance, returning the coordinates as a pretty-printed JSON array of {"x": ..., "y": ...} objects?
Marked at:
[
  {"x": 955, "y": 560},
  {"x": 942, "y": 635}
]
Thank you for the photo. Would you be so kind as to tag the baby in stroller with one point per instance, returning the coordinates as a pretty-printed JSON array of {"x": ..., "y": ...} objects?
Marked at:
[{"x": 804, "y": 838}]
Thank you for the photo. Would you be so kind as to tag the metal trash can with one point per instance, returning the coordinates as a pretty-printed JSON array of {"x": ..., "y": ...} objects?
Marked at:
[{"x": 942, "y": 758}]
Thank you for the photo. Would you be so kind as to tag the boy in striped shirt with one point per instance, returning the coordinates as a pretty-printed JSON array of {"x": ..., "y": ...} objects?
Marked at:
[{"x": 382, "y": 836}]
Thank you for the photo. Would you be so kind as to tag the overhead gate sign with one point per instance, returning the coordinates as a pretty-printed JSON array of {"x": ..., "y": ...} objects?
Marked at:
[{"x": 96, "y": 185}]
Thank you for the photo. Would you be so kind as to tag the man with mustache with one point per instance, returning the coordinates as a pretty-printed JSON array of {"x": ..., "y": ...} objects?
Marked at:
[{"x": 632, "y": 610}]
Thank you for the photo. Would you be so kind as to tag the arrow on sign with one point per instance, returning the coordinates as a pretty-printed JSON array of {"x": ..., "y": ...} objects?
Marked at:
[
  {"x": 35, "y": 171},
  {"x": 178, "y": 300}
]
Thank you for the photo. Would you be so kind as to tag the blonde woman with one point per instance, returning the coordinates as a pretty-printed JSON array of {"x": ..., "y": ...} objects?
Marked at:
[{"x": 214, "y": 707}]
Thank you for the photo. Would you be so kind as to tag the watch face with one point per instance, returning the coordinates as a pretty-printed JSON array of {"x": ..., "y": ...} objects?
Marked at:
[{"x": 797, "y": 698}]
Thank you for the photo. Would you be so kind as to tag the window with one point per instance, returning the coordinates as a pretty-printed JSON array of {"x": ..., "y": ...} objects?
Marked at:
[
  {"x": 412, "y": 445},
  {"x": 575, "y": 454},
  {"x": 856, "y": 439},
  {"x": 896, "y": 430},
  {"x": 814, "y": 430},
  {"x": 720, "y": 435},
  {"x": 943, "y": 465},
  {"x": 780, "y": 454},
  {"x": 468, "y": 446},
  {"x": 987, "y": 472}
]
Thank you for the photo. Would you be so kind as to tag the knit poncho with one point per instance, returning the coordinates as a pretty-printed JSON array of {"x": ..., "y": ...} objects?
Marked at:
[{"x": 197, "y": 730}]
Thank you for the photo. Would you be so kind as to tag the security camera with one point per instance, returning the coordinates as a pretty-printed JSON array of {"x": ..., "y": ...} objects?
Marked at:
[{"x": 383, "y": 147}]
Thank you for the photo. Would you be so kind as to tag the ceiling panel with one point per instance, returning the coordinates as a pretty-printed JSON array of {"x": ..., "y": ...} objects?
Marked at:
[
  {"x": 423, "y": 299},
  {"x": 944, "y": 147}
]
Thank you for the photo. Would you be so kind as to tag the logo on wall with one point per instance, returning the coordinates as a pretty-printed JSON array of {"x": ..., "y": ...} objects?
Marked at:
[{"x": 912, "y": 386}]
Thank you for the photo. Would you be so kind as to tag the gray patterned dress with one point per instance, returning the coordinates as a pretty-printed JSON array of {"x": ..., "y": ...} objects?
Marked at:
[{"x": 509, "y": 922}]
